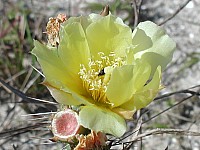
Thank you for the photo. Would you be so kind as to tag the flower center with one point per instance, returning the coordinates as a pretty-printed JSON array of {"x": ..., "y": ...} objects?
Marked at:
[{"x": 97, "y": 75}]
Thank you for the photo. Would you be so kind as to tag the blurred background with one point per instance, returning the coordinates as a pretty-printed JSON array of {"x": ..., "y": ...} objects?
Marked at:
[{"x": 21, "y": 21}]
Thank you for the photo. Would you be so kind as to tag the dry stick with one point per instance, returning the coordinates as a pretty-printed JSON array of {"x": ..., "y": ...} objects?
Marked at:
[
  {"x": 164, "y": 131},
  {"x": 12, "y": 78},
  {"x": 64, "y": 147},
  {"x": 140, "y": 5},
  {"x": 4, "y": 142},
  {"x": 140, "y": 131},
  {"x": 26, "y": 79},
  {"x": 11, "y": 25},
  {"x": 15, "y": 147},
  {"x": 9, "y": 116},
  {"x": 136, "y": 131},
  {"x": 16, "y": 75},
  {"x": 179, "y": 92},
  {"x": 192, "y": 124},
  {"x": 169, "y": 108},
  {"x": 39, "y": 137},
  {"x": 167, "y": 131},
  {"x": 175, "y": 13},
  {"x": 37, "y": 71},
  {"x": 15, "y": 132},
  {"x": 135, "y": 13},
  {"x": 39, "y": 114},
  {"x": 36, "y": 119},
  {"x": 50, "y": 143},
  {"x": 24, "y": 97},
  {"x": 166, "y": 148},
  {"x": 30, "y": 83}
]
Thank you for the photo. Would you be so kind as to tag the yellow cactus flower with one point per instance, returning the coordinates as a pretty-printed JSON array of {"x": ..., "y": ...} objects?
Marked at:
[{"x": 105, "y": 68}]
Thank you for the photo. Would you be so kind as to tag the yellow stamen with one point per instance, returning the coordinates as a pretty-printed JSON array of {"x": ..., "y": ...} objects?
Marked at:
[{"x": 96, "y": 78}]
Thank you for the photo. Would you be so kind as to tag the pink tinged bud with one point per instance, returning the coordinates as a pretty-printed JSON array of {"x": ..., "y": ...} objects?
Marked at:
[{"x": 65, "y": 125}]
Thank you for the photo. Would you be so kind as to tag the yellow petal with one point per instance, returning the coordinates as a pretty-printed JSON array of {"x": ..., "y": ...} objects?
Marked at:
[
  {"x": 108, "y": 34},
  {"x": 61, "y": 96},
  {"x": 85, "y": 21},
  {"x": 140, "y": 40},
  {"x": 73, "y": 49},
  {"x": 102, "y": 119},
  {"x": 146, "y": 95},
  {"x": 154, "y": 59},
  {"x": 163, "y": 46},
  {"x": 149, "y": 92},
  {"x": 65, "y": 96},
  {"x": 126, "y": 114},
  {"x": 125, "y": 81},
  {"x": 53, "y": 68}
]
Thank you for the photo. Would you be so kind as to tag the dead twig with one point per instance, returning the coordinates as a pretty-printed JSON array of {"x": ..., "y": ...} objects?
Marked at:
[
  {"x": 175, "y": 13},
  {"x": 166, "y": 131},
  {"x": 24, "y": 97},
  {"x": 168, "y": 108},
  {"x": 136, "y": 13},
  {"x": 15, "y": 132},
  {"x": 136, "y": 132},
  {"x": 185, "y": 91}
]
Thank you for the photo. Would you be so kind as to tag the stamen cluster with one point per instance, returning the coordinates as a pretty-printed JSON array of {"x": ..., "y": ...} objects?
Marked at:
[{"x": 96, "y": 76}]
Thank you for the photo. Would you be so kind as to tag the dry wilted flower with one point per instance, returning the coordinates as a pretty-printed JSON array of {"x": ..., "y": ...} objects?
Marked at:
[
  {"x": 91, "y": 141},
  {"x": 53, "y": 28}
]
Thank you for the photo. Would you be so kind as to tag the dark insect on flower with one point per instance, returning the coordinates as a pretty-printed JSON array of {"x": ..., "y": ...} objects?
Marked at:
[{"x": 101, "y": 73}]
